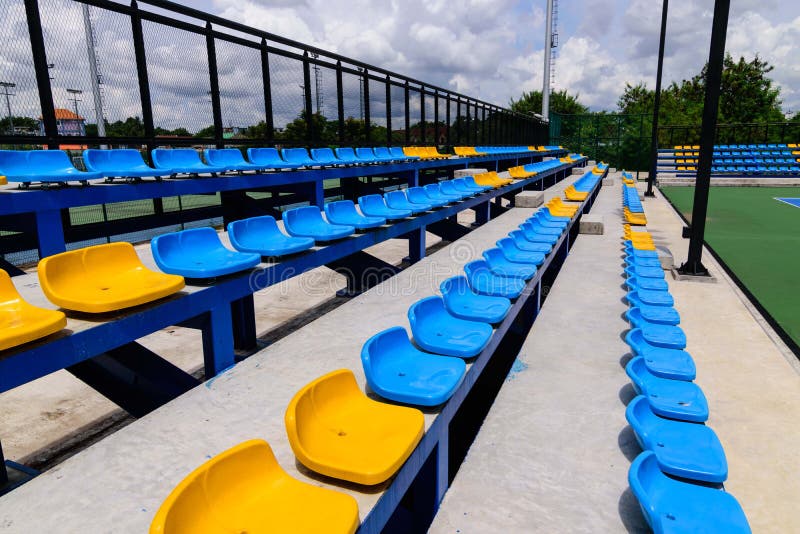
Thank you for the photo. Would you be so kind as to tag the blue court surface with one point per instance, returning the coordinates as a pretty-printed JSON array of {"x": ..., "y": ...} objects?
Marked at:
[{"x": 791, "y": 201}]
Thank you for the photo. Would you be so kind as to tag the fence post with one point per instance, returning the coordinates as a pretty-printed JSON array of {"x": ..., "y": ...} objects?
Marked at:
[
  {"x": 142, "y": 76},
  {"x": 435, "y": 117},
  {"x": 216, "y": 109},
  {"x": 388, "y": 111},
  {"x": 408, "y": 116},
  {"x": 42, "y": 72},
  {"x": 422, "y": 114},
  {"x": 307, "y": 97},
  {"x": 458, "y": 120},
  {"x": 267, "y": 82},
  {"x": 340, "y": 101},
  {"x": 447, "y": 119},
  {"x": 367, "y": 119}
]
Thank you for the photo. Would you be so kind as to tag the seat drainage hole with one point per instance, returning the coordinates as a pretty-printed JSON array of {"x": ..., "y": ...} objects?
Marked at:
[
  {"x": 401, "y": 374},
  {"x": 682, "y": 403},
  {"x": 104, "y": 288},
  {"x": 341, "y": 433}
]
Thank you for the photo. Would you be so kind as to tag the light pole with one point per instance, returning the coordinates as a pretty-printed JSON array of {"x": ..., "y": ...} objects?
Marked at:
[
  {"x": 6, "y": 86},
  {"x": 657, "y": 103},
  {"x": 74, "y": 98}
]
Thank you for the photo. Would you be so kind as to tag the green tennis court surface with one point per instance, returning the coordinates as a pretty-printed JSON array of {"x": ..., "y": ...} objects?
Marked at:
[{"x": 758, "y": 237}]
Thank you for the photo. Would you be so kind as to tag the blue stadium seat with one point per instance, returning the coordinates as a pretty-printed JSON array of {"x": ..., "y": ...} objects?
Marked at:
[
  {"x": 682, "y": 449},
  {"x": 523, "y": 244},
  {"x": 462, "y": 302},
  {"x": 533, "y": 235},
  {"x": 635, "y": 283},
  {"x": 344, "y": 212},
  {"x": 657, "y": 335},
  {"x": 298, "y": 157},
  {"x": 262, "y": 236},
  {"x": 366, "y": 155},
  {"x": 229, "y": 158},
  {"x": 417, "y": 195},
  {"x": 673, "y": 399},
  {"x": 324, "y": 157},
  {"x": 545, "y": 211},
  {"x": 269, "y": 158},
  {"x": 397, "y": 370},
  {"x": 547, "y": 222},
  {"x": 397, "y": 200},
  {"x": 27, "y": 166},
  {"x": 347, "y": 156},
  {"x": 435, "y": 193},
  {"x": 182, "y": 161},
  {"x": 630, "y": 259},
  {"x": 666, "y": 363},
  {"x": 383, "y": 155},
  {"x": 437, "y": 331},
  {"x": 460, "y": 184},
  {"x": 198, "y": 253},
  {"x": 397, "y": 152},
  {"x": 650, "y": 298},
  {"x": 658, "y": 314},
  {"x": 308, "y": 222},
  {"x": 516, "y": 254},
  {"x": 484, "y": 282},
  {"x": 638, "y": 253},
  {"x": 671, "y": 505},
  {"x": 501, "y": 266},
  {"x": 375, "y": 206},
  {"x": 448, "y": 188},
  {"x": 539, "y": 228},
  {"x": 121, "y": 163}
]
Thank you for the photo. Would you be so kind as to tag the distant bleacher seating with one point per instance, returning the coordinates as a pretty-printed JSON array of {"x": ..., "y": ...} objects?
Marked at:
[{"x": 734, "y": 160}]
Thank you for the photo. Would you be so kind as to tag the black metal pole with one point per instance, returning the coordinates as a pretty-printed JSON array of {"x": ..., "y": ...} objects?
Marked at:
[
  {"x": 42, "y": 72},
  {"x": 367, "y": 114},
  {"x": 716, "y": 57},
  {"x": 388, "y": 111},
  {"x": 265, "y": 78},
  {"x": 216, "y": 108},
  {"x": 435, "y": 117},
  {"x": 142, "y": 76},
  {"x": 307, "y": 94},
  {"x": 340, "y": 101},
  {"x": 422, "y": 135},
  {"x": 657, "y": 102},
  {"x": 408, "y": 115},
  {"x": 447, "y": 120}
]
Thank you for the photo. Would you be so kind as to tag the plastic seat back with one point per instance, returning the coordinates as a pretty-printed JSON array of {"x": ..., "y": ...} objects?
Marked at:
[
  {"x": 324, "y": 156},
  {"x": 297, "y": 156},
  {"x": 180, "y": 247},
  {"x": 113, "y": 160},
  {"x": 366, "y": 155},
  {"x": 269, "y": 157},
  {"x": 347, "y": 154},
  {"x": 383, "y": 153},
  {"x": 166, "y": 158},
  {"x": 50, "y": 161},
  {"x": 14, "y": 162},
  {"x": 225, "y": 157},
  {"x": 253, "y": 232},
  {"x": 399, "y": 153}
]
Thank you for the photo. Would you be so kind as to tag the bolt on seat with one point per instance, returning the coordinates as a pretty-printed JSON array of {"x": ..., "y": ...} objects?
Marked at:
[
  {"x": 21, "y": 322},
  {"x": 244, "y": 489},
  {"x": 336, "y": 430},
  {"x": 396, "y": 370},
  {"x": 103, "y": 278},
  {"x": 262, "y": 236},
  {"x": 198, "y": 253}
]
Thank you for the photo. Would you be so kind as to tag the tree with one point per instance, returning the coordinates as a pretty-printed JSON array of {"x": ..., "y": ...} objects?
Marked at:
[
  {"x": 206, "y": 133},
  {"x": 560, "y": 102},
  {"x": 20, "y": 124},
  {"x": 746, "y": 95}
]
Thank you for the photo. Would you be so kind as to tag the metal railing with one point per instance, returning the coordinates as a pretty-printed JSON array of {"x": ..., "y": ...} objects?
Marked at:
[{"x": 154, "y": 73}]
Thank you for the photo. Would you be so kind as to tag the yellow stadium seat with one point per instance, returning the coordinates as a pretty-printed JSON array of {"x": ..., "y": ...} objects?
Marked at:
[
  {"x": 432, "y": 153},
  {"x": 566, "y": 159},
  {"x": 541, "y": 148},
  {"x": 412, "y": 151},
  {"x": 467, "y": 151},
  {"x": 103, "y": 278},
  {"x": 21, "y": 322},
  {"x": 520, "y": 172},
  {"x": 568, "y": 210},
  {"x": 3, "y": 180},
  {"x": 793, "y": 145},
  {"x": 695, "y": 147},
  {"x": 492, "y": 179},
  {"x": 570, "y": 193},
  {"x": 796, "y": 152},
  {"x": 678, "y": 147},
  {"x": 245, "y": 490},
  {"x": 336, "y": 430}
]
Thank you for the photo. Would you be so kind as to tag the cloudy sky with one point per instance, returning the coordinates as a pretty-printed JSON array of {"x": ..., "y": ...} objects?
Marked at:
[
  {"x": 493, "y": 49},
  {"x": 489, "y": 49}
]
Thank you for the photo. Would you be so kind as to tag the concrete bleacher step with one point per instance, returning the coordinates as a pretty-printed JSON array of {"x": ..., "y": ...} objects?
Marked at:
[{"x": 244, "y": 402}]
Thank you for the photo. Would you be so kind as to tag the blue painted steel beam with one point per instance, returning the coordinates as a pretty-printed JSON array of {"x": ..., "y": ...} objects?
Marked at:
[
  {"x": 436, "y": 437},
  {"x": 20, "y": 366}
]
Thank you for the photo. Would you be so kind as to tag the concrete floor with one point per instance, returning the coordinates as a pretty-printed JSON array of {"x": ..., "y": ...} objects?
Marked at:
[
  {"x": 553, "y": 454},
  {"x": 49, "y": 417}
]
